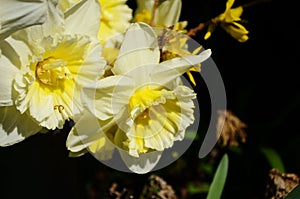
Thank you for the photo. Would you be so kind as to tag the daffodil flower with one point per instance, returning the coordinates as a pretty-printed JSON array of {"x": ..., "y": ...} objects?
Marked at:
[
  {"x": 143, "y": 108},
  {"x": 42, "y": 69},
  {"x": 165, "y": 14},
  {"x": 230, "y": 22},
  {"x": 17, "y": 14}
]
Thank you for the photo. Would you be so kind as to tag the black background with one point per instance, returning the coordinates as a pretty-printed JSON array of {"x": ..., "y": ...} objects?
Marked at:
[{"x": 262, "y": 88}]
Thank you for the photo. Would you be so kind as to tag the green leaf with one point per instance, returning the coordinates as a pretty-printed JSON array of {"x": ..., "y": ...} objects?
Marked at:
[
  {"x": 273, "y": 158},
  {"x": 218, "y": 183},
  {"x": 294, "y": 194},
  {"x": 190, "y": 135},
  {"x": 194, "y": 189}
]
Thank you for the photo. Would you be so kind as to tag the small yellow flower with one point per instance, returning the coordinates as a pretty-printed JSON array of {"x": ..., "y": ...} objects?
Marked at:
[{"x": 230, "y": 22}]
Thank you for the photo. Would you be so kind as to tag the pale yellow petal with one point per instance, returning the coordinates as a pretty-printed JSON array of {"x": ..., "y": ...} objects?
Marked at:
[
  {"x": 83, "y": 18},
  {"x": 174, "y": 68},
  {"x": 9, "y": 64},
  {"x": 54, "y": 24},
  {"x": 138, "y": 48},
  {"x": 168, "y": 13},
  {"x": 115, "y": 18},
  {"x": 15, "y": 127},
  {"x": 143, "y": 164},
  {"x": 16, "y": 15},
  {"x": 107, "y": 96},
  {"x": 85, "y": 132}
]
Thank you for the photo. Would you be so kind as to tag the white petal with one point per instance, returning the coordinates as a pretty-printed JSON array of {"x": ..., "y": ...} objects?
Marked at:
[
  {"x": 54, "y": 23},
  {"x": 17, "y": 14},
  {"x": 88, "y": 133},
  {"x": 107, "y": 96},
  {"x": 15, "y": 127},
  {"x": 83, "y": 18},
  {"x": 171, "y": 69},
  {"x": 138, "y": 48},
  {"x": 168, "y": 13},
  {"x": 92, "y": 68},
  {"x": 84, "y": 133},
  {"x": 9, "y": 63},
  {"x": 142, "y": 164}
]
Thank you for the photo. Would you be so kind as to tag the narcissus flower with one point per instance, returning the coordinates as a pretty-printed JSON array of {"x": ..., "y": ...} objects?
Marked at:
[
  {"x": 16, "y": 14},
  {"x": 143, "y": 108},
  {"x": 230, "y": 22},
  {"x": 42, "y": 69}
]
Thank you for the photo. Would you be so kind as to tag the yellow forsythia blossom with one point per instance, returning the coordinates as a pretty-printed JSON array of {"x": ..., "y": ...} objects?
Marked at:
[{"x": 230, "y": 22}]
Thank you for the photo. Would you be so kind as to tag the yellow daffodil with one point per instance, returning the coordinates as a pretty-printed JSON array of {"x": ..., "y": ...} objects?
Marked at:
[
  {"x": 42, "y": 69},
  {"x": 165, "y": 14},
  {"x": 230, "y": 22},
  {"x": 143, "y": 108},
  {"x": 16, "y": 14}
]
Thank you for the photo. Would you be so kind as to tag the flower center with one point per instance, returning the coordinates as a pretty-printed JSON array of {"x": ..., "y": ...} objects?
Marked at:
[
  {"x": 52, "y": 71},
  {"x": 141, "y": 102}
]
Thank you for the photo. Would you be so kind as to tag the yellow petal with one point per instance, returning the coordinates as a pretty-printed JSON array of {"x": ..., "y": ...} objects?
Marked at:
[
  {"x": 235, "y": 13},
  {"x": 210, "y": 29},
  {"x": 207, "y": 35},
  {"x": 237, "y": 31},
  {"x": 191, "y": 78},
  {"x": 115, "y": 18}
]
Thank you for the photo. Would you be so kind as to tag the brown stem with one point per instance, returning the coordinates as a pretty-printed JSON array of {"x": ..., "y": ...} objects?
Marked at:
[
  {"x": 153, "y": 12},
  {"x": 193, "y": 31}
]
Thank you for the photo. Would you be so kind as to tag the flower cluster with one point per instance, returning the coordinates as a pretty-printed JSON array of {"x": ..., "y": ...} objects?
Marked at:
[{"x": 114, "y": 72}]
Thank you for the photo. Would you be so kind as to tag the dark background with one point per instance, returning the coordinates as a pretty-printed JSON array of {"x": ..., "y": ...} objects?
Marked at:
[{"x": 262, "y": 88}]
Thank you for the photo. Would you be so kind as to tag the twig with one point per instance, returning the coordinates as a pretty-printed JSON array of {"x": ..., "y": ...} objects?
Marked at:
[{"x": 192, "y": 32}]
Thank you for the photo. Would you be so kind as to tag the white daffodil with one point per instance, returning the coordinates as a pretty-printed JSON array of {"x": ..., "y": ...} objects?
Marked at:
[
  {"x": 42, "y": 69},
  {"x": 17, "y": 14},
  {"x": 143, "y": 108},
  {"x": 165, "y": 14}
]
